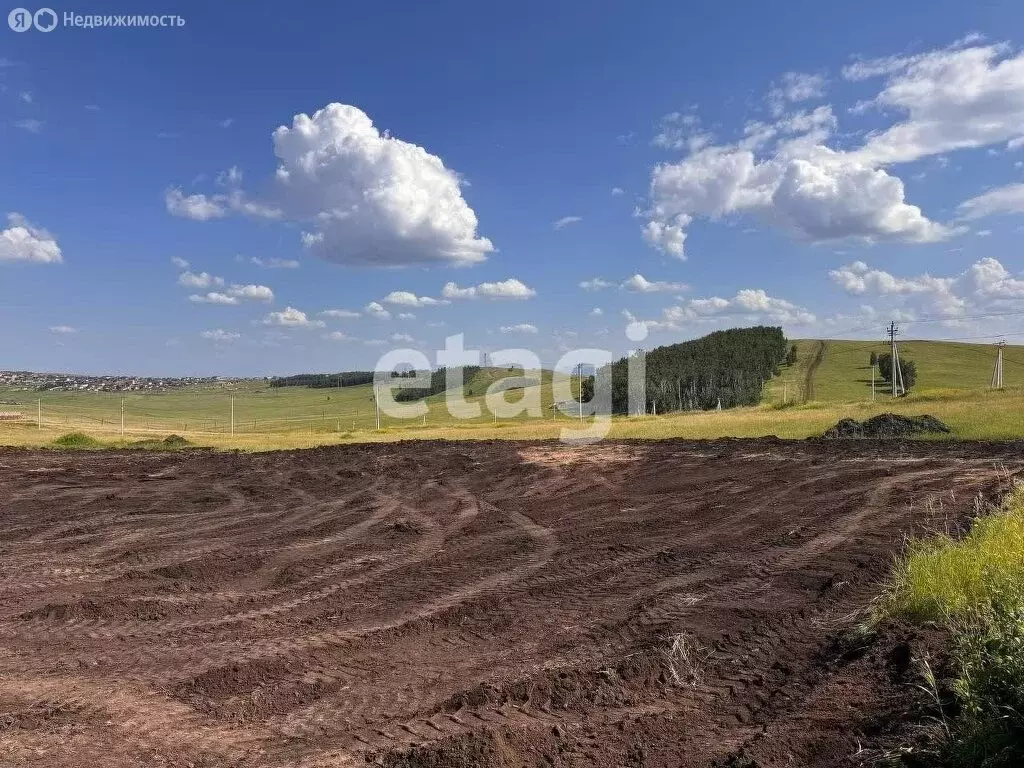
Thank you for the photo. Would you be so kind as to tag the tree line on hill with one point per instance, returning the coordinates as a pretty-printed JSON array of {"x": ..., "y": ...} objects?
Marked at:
[
  {"x": 725, "y": 367},
  {"x": 438, "y": 384},
  {"x": 324, "y": 380}
]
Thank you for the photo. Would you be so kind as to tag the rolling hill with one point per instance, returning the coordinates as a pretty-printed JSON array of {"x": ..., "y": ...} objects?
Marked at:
[{"x": 839, "y": 371}]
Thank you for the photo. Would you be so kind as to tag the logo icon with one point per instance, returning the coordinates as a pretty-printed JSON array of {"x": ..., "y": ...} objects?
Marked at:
[
  {"x": 20, "y": 20},
  {"x": 45, "y": 20}
]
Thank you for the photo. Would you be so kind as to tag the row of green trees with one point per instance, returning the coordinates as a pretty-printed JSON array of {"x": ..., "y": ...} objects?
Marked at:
[
  {"x": 324, "y": 380},
  {"x": 727, "y": 368},
  {"x": 438, "y": 384}
]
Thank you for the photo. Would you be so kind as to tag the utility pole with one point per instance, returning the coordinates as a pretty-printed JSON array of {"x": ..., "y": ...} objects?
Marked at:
[
  {"x": 376, "y": 406},
  {"x": 580, "y": 368},
  {"x": 122, "y": 418},
  {"x": 997, "y": 370},
  {"x": 897, "y": 372},
  {"x": 872, "y": 383},
  {"x": 39, "y": 414},
  {"x": 232, "y": 417}
]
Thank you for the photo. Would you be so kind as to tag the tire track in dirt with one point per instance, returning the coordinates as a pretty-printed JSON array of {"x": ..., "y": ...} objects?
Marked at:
[{"x": 325, "y": 607}]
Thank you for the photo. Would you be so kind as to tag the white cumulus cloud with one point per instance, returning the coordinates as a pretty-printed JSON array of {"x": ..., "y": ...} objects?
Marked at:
[
  {"x": 251, "y": 292},
  {"x": 410, "y": 299},
  {"x": 786, "y": 174},
  {"x": 213, "y": 297},
  {"x": 197, "y": 207},
  {"x": 748, "y": 305},
  {"x": 372, "y": 198},
  {"x": 290, "y": 317},
  {"x": 504, "y": 289},
  {"x": 984, "y": 286},
  {"x": 640, "y": 284},
  {"x": 23, "y": 241},
  {"x": 376, "y": 309}
]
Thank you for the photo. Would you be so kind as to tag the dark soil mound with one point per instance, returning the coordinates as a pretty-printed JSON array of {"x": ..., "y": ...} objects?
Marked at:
[{"x": 888, "y": 425}]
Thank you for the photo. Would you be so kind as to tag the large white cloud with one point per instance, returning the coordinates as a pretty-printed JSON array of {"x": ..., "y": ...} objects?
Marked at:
[
  {"x": 364, "y": 197},
  {"x": 22, "y": 241},
  {"x": 814, "y": 193},
  {"x": 512, "y": 288},
  {"x": 961, "y": 97},
  {"x": 785, "y": 173},
  {"x": 372, "y": 198}
]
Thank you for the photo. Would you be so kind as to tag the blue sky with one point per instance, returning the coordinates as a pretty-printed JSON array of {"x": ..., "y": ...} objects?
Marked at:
[{"x": 194, "y": 199}]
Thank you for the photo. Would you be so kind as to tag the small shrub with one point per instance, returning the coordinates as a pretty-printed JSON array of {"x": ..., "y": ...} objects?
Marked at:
[
  {"x": 990, "y": 687},
  {"x": 974, "y": 587},
  {"x": 77, "y": 440}
]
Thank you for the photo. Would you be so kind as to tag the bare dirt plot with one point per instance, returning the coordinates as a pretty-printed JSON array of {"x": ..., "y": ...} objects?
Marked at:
[{"x": 459, "y": 604}]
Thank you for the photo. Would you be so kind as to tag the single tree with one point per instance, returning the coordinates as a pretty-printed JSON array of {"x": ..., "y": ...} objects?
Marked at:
[
  {"x": 791, "y": 355},
  {"x": 907, "y": 367},
  {"x": 874, "y": 359}
]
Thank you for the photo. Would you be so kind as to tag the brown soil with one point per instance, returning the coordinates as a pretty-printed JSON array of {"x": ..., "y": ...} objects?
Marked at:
[{"x": 467, "y": 604}]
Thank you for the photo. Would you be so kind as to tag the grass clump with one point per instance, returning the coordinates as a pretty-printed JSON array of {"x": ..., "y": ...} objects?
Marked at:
[
  {"x": 171, "y": 442},
  {"x": 974, "y": 588},
  {"x": 78, "y": 440},
  {"x": 947, "y": 579}
]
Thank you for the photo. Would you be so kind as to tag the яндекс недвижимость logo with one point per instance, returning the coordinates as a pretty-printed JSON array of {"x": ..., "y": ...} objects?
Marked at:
[
  {"x": 22, "y": 20},
  {"x": 46, "y": 20}
]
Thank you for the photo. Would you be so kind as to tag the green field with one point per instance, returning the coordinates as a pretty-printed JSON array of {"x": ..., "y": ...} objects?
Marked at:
[
  {"x": 844, "y": 374},
  {"x": 257, "y": 408},
  {"x": 953, "y": 384}
]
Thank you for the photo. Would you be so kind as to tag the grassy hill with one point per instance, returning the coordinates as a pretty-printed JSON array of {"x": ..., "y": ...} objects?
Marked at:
[{"x": 843, "y": 373}]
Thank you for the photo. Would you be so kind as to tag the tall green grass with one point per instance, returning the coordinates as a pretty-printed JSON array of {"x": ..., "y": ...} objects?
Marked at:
[
  {"x": 974, "y": 588},
  {"x": 943, "y": 579}
]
